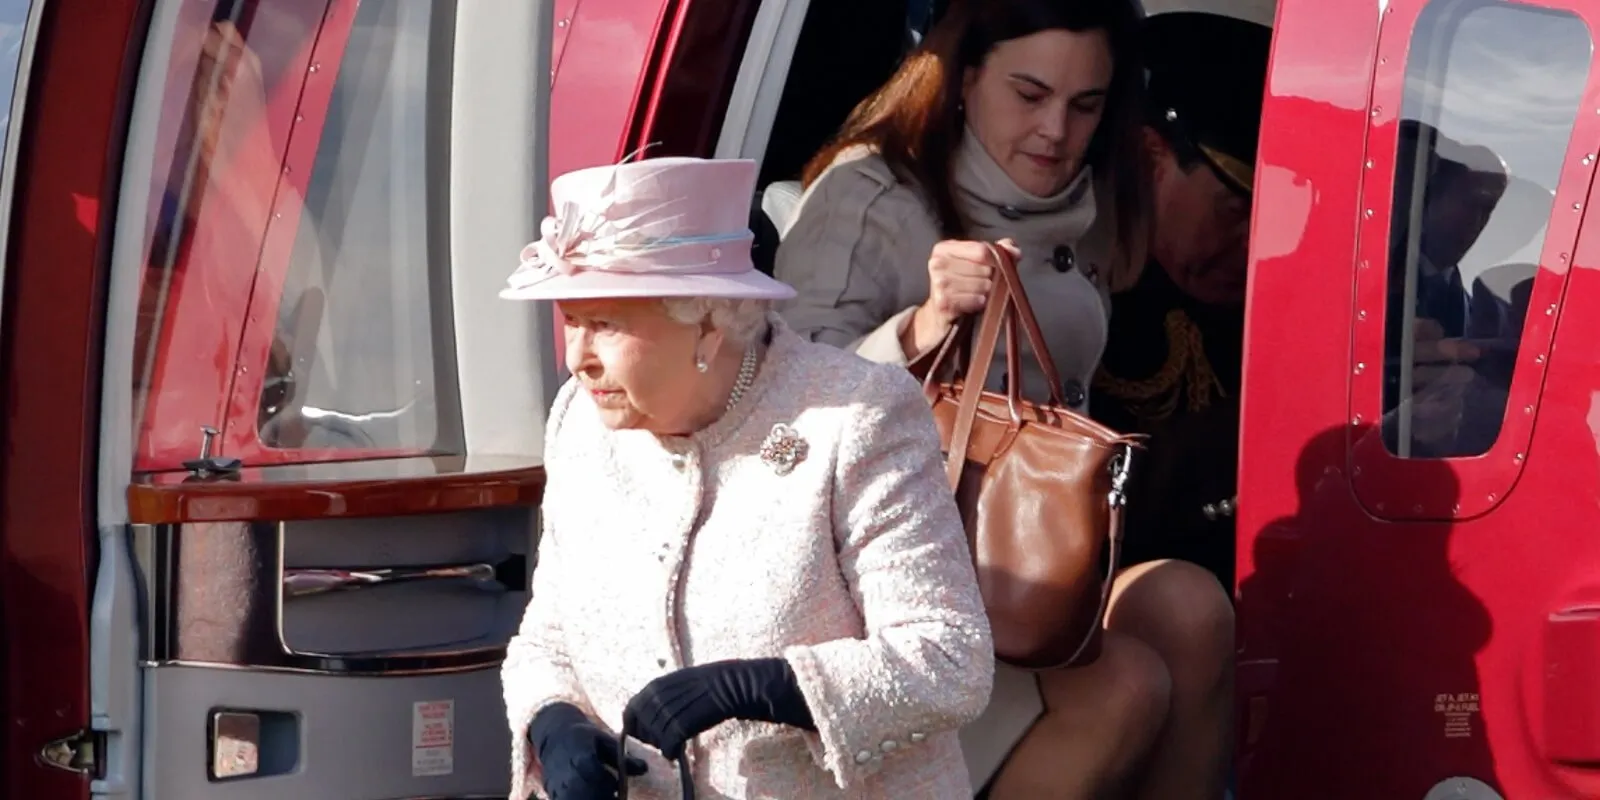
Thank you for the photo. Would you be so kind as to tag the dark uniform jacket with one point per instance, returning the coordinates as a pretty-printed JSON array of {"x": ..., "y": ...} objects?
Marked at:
[{"x": 1172, "y": 371}]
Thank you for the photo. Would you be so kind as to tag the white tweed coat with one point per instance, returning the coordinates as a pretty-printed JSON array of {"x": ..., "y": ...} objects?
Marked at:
[{"x": 664, "y": 552}]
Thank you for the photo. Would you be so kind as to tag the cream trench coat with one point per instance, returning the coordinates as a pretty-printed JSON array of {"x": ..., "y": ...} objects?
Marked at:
[{"x": 660, "y": 553}]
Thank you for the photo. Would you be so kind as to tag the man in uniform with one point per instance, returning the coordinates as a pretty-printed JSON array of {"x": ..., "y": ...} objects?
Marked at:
[{"x": 1172, "y": 363}]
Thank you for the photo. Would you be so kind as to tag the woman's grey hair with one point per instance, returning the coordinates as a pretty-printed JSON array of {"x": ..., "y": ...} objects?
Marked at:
[{"x": 741, "y": 320}]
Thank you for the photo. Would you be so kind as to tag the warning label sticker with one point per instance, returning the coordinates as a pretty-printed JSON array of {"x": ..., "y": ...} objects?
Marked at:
[
  {"x": 433, "y": 737},
  {"x": 1458, "y": 710}
]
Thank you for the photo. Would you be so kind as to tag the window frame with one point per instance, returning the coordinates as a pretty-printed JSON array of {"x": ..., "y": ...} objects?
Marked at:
[
  {"x": 758, "y": 85},
  {"x": 1387, "y": 485}
]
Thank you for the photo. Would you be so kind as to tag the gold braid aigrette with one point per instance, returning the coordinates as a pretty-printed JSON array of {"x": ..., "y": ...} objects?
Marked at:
[{"x": 1156, "y": 397}]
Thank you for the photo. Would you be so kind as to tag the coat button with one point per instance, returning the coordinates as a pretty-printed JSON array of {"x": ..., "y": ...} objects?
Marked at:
[
  {"x": 864, "y": 756},
  {"x": 1011, "y": 213},
  {"x": 661, "y": 662},
  {"x": 1073, "y": 393},
  {"x": 1062, "y": 259},
  {"x": 918, "y": 737},
  {"x": 678, "y": 460}
]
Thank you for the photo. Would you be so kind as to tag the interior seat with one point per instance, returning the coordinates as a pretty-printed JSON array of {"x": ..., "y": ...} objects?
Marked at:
[
  {"x": 764, "y": 250},
  {"x": 780, "y": 202}
]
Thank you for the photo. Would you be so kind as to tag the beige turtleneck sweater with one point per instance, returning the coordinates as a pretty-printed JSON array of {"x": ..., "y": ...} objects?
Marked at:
[{"x": 858, "y": 256}]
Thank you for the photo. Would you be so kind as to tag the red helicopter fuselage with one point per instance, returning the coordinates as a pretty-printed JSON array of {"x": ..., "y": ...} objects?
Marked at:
[{"x": 1407, "y": 623}]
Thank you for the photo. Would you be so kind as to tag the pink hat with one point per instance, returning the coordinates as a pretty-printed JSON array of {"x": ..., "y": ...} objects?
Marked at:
[{"x": 662, "y": 227}]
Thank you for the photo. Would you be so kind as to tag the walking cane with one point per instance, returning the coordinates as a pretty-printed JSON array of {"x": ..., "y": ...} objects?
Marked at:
[{"x": 685, "y": 777}]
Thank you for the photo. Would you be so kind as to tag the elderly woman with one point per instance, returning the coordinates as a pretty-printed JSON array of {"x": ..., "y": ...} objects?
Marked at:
[{"x": 750, "y": 556}]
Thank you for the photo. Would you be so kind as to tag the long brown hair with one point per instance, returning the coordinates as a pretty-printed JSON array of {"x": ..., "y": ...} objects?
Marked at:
[{"x": 915, "y": 120}]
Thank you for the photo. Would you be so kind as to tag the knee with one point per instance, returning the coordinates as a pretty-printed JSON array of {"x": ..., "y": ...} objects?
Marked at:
[
  {"x": 1130, "y": 684},
  {"x": 1140, "y": 689},
  {"x": 1143, "y": 685},
  {"x": 1183, "y": 612}
]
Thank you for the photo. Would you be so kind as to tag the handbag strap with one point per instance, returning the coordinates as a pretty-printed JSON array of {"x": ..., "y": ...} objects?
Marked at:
[
  {"x": 955, "y": 351},
  {"x": 1023, "y": 311},
  {"x": 685, "y": 777},
  {"x": 994, "y": 312},
  {"x": 1006, "y": 308}
]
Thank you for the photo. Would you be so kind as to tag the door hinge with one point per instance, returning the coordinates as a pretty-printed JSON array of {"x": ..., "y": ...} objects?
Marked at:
[{"x": 78, "y": 753}]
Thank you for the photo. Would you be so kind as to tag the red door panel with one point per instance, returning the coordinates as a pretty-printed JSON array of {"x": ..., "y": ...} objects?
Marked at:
[
  {"x": 63, "y": 207},
  {"x": 1414, "y": 621}
]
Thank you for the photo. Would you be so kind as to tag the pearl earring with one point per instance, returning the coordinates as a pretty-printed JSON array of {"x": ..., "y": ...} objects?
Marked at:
[{"x": 700, "y": 364}]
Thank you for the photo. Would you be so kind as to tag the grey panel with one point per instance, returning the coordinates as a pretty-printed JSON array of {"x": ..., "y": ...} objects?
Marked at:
[
  {"x": 354, "y": 734},
  {"x": 114, "y": 698},
  {"x": 480, "y": 535},
  {"x": 406, "y": 616}
]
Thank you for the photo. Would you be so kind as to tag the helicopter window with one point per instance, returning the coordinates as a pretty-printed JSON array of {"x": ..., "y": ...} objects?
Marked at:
[
  {"x": 357, "y": 359},
  {"x": 1492, "y": 91},
  {"x": 296, "y": 291},
  {"x": 13, "y": 21}
]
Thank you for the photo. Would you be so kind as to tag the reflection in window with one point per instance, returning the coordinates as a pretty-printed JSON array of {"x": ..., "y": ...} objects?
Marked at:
[
  {"x": 13, "y": 24},
  {"x": 216, "y": 163},
  {"x": 357, "y": 355},
  {"x": 1491, "y": 94}
]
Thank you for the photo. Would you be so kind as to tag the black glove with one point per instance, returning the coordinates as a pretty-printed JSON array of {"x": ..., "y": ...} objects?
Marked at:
[
  {"x": 672, "y": 709},
  {"x": 578, "y": 759}
]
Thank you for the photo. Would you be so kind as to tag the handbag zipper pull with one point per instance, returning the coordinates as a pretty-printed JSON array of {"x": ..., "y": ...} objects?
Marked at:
[{"x": 1120, "y": 466}]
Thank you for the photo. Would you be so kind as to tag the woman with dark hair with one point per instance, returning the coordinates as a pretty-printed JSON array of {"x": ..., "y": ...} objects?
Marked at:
[{"x": 1019, "y": 122}]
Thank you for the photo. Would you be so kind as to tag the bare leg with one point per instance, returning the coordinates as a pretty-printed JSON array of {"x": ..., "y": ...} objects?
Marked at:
[
  {"x": 1098, "y": 728},
  {"x": 1183, "y": 613}
]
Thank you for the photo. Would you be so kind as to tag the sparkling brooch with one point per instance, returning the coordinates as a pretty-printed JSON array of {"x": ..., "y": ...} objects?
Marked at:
[{"x": 783, "y": 449}]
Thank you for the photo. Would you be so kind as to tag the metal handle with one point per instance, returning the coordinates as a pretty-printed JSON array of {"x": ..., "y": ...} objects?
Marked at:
[
  {"x": 685, "y": 775},
  {"x": 1221, "y": 508},
  {"x": 303, "y": 582}
]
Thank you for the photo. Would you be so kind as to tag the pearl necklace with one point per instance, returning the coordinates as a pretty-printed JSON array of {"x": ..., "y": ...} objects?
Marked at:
[{"x": 747, "y": 376}]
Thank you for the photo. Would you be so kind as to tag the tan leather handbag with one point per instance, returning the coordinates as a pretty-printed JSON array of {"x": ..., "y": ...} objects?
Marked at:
[{"x": 1040, "y": 487}]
